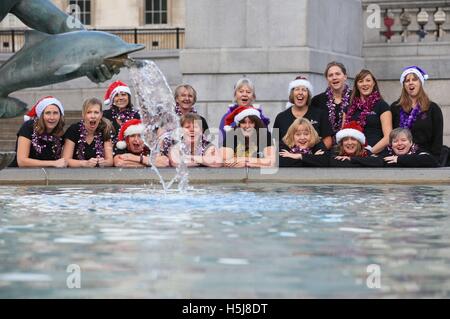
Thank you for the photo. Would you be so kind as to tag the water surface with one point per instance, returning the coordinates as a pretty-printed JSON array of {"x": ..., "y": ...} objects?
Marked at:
[{"x": 225, "y": 241}]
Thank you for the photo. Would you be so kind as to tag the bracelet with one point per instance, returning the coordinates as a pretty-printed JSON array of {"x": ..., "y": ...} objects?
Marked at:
[{"x": 142, "y": 159}]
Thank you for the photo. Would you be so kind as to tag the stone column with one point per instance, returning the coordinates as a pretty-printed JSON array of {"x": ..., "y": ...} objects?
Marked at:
[{"x": 269, "y": 41}]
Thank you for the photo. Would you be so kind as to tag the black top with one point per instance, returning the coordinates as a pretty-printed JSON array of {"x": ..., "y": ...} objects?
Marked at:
[
  {"x": 48, "y": 150},
  {"x": 204, "y": 124},
  {"x": 73, "y": 134},
  {"x": 320, "y": 101},
  {"x": 357, "y": 161},
  {"x": 427, "y": 131},
  {"x": 420, "y": 158},
  {"x": 317, "y": 116},
  {"x": 373, "y": 129},
  {"x": 308, "y": 160},
  {"x": 237, "y": 139}
]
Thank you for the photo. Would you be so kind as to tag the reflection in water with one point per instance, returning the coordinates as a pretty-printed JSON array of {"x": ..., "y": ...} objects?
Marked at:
[{"x": 229, "y": 241}]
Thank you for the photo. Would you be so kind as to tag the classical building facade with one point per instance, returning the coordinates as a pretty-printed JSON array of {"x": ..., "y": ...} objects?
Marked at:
[
  {"x": 120, "y": 13},
  {"x": 273, "y": 41}
]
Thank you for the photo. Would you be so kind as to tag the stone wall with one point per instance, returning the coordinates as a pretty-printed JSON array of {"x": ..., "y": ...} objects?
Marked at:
[{"x": 271, "y": 42}]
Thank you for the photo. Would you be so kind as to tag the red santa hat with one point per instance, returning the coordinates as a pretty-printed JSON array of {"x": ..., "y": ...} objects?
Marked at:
[
  {"x": 352, "y": 129},
  {"x": 239, "y": 114},
  {"x": 114, "y": 89},
  {"x": 39, "y": 107},
  {"x": 130, "y": 127}
]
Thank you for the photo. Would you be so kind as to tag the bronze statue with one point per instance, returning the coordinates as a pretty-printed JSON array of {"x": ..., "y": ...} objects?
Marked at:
[{"x": 58, "y": 51}]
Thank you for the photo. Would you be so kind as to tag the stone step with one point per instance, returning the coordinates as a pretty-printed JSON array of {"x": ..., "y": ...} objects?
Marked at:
[{"x": 7, "y": 145}]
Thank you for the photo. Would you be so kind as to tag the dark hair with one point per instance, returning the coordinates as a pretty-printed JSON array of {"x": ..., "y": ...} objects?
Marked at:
[
  {"x": 291, "y": 94},
  {"x": 258, "y": 122},
  {"x": 334, "y": 63},
  {"x": 360, "y": 150},
  {"x": 361, "y": 75},
  {"x": 58, "y": 131},
  {"x": 423, "y": 99}
]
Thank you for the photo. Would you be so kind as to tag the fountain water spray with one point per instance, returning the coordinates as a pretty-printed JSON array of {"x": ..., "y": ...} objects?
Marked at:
[{"x": 156, "y": 104}]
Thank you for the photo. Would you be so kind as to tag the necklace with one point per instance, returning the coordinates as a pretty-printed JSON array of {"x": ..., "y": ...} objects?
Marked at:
[
  {"x": 366, "y": 107},
  {"x": 336, "y": 124},
  {"x": 81, "y": 145},
  {"x": 408, "y": 120},
  {"x": 41, "y": 141}
]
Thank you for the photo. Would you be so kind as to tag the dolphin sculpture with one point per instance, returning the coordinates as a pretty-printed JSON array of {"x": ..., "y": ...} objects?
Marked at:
[
  {"x": 6, "y": 158},
  {"x": 47, "y": 59}
]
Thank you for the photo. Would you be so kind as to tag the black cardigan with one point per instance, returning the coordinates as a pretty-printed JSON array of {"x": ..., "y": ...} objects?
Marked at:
[{"x": 427, "y": 131}]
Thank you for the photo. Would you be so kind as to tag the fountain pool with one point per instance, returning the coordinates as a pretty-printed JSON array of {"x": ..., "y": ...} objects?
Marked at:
[{"x": 225, "y": 241}]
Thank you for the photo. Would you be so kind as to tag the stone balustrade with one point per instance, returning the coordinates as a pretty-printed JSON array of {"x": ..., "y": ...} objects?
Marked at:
[{"x": 408, "y": 21}]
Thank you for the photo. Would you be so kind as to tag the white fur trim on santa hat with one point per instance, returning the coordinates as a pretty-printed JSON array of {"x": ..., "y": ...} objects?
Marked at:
[
  {"x": 301, "y": 82},
  {"x": 134, "y": 129},
  {"x": 46, "y": 102},
  {"x": 121, "y": 145},
  {"x": 351, "y": 132},
  {"x": 117, "y": 90},
  {"x": 248, "y": 112},
  {"x": 422, "y": 77}
]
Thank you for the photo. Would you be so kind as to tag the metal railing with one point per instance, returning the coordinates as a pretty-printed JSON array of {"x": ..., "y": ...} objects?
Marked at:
[{"x": 154, "y": 39}]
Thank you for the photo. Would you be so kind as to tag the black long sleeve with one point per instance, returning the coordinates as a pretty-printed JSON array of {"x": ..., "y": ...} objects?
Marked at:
[{"x": 421, "y": 159}]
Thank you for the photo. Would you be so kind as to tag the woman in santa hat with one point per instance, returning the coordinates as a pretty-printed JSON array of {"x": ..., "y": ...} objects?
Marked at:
[
  {"x": 118, "y": 99},
  {"x": 40, "y": 139},
  {"x": 244, "y": 95},
  {"x": 299, "y": 106},
  {"x": 351, "y": 151},
  {"x": 198, "y": 150},
  {"x": 88, "y": 142},
  {"x": 414, "y": 111},
  {"x": 302, "y": 147},
  {"x": 403, "y": 152},
  {"x": 249, "y": 143},
  {"x": 131, "y": 150}
]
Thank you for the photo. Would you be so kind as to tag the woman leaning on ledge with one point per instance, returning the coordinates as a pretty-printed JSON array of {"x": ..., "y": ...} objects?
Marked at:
[
  {"x": 39, "y": 140},
  {"x": 416, "y": 112},
  {"x": 88, "y": 142}
]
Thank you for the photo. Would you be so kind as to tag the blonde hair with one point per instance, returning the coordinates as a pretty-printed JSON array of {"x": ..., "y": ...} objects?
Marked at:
[
  {"x": 187, "y": 87},
  {"x": 288, "y": 139},
  {"x": 244, "y": 82},
  {"x": 423, "y": 99},
  {"x": 105, "y": 126}
]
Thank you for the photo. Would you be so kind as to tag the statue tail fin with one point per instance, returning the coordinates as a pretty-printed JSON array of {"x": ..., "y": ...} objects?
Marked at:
[{"x": 11, "y": 107}]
